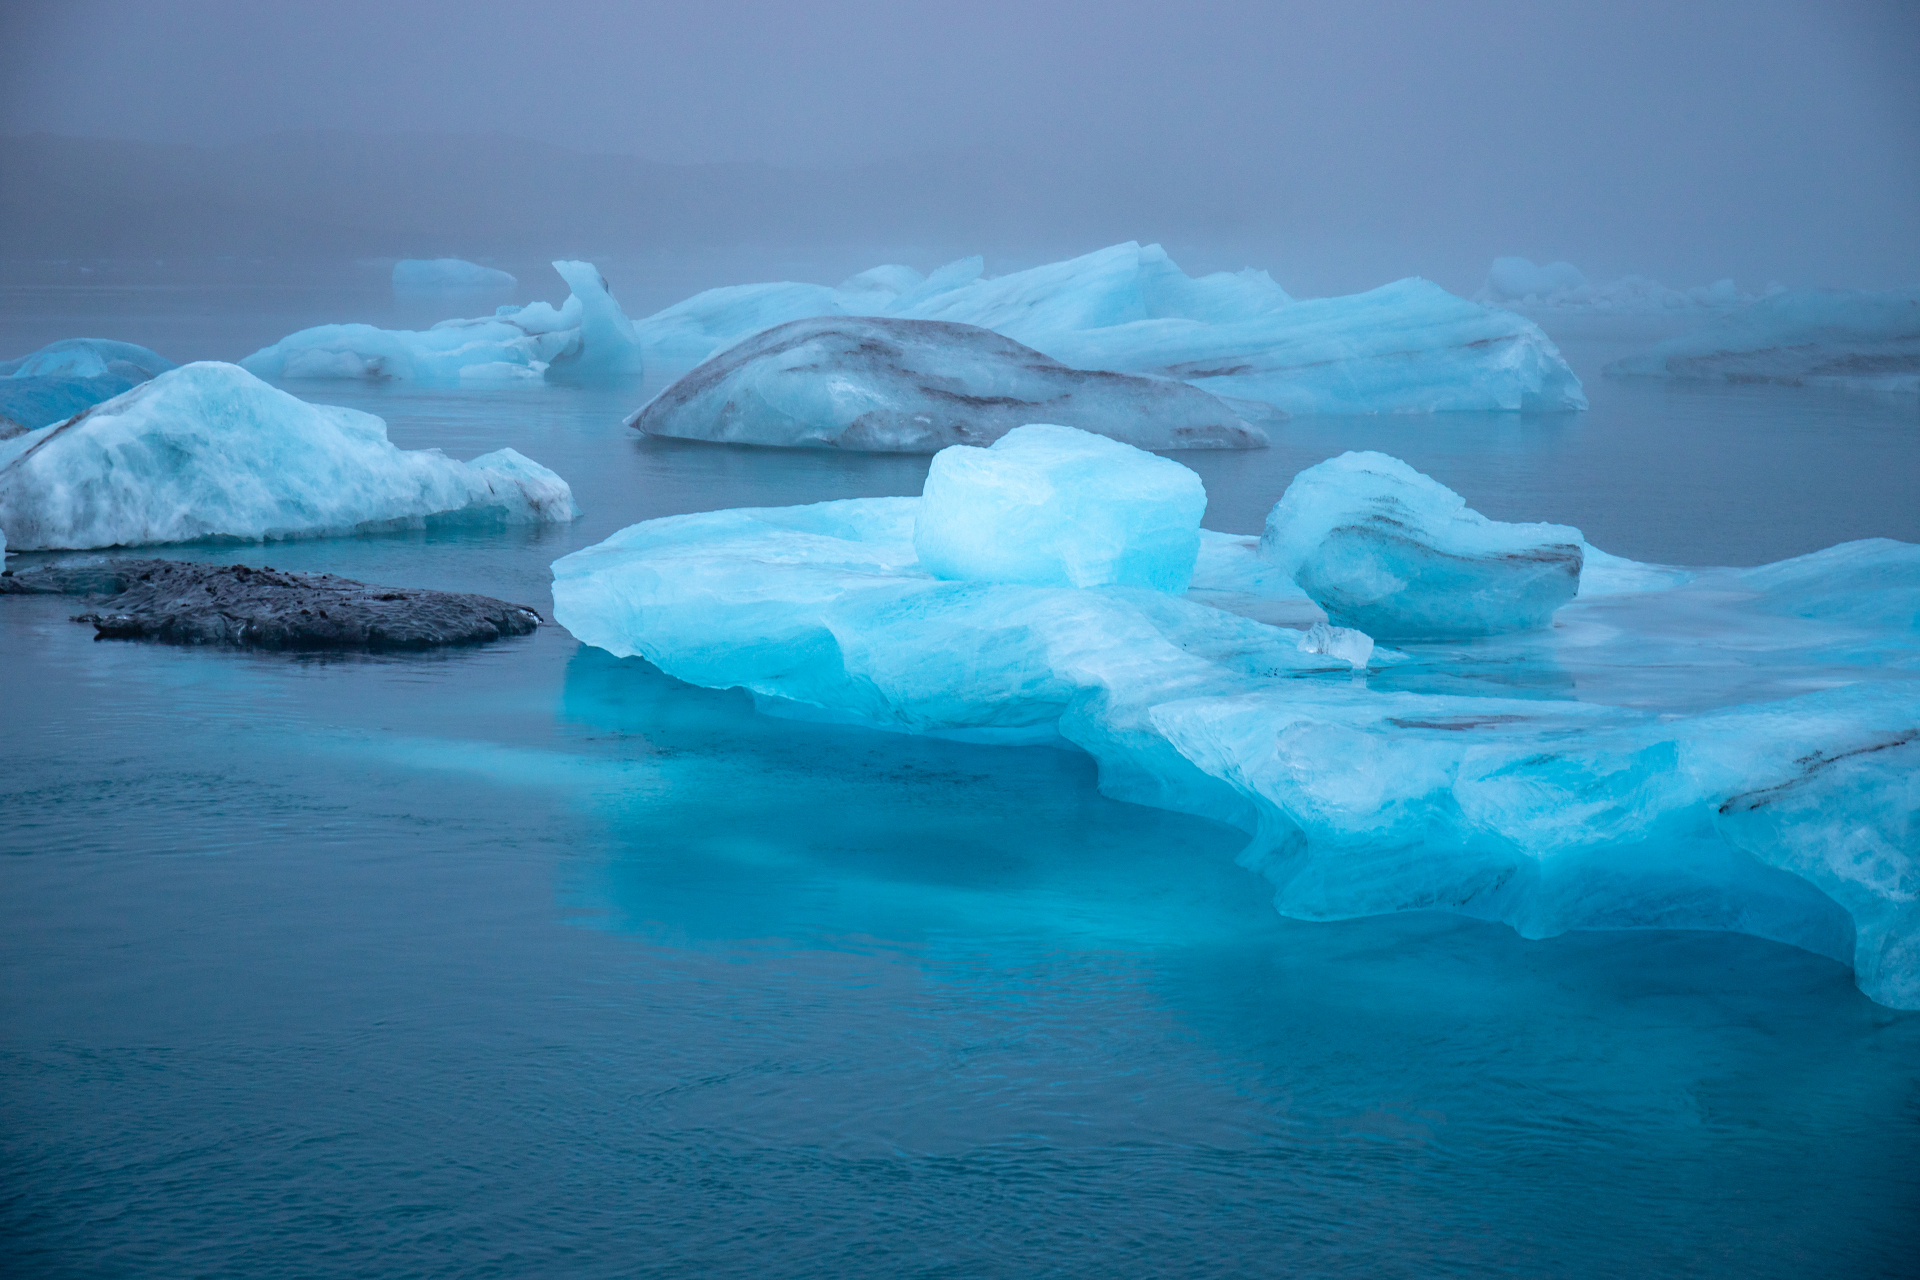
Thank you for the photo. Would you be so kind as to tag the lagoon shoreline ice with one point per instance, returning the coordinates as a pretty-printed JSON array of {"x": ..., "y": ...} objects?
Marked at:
[
  {"x": 208, "y": 450},
  {"x": 1733, "y": 749}
]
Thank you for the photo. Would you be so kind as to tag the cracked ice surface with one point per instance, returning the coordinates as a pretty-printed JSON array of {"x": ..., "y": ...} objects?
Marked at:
[{"x": 1732, "y": 749}]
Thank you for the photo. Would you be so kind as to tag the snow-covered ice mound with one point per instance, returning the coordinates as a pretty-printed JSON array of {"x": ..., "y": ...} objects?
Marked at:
[
  {"x": 588, "y": 337},
  {"x": 1051, "y": 506},
  {"x": 1716, "y": 749},
  {"x": 1857, "y": 339},
  {"x": 209, "y": 450},
  {"x": 917, "y": 386},
  {"x": 1561, "y": 286},
  {"x": 449, "y": 275},
  {"x": 1389, "y": 551},
  {"x": 65, "y": 377},
  {"x": 1409, "y": 347}
]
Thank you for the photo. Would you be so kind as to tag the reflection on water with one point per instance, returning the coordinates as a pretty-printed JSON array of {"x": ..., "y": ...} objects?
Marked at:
[{"x": 524, "y": 959}]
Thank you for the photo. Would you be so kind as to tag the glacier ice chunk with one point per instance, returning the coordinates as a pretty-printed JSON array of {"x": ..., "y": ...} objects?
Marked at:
[
  {"x": 62, "y": 378},
  {"x": 1725, "y": 754},
  {"x": 447, "y": 275},
  {"x": 1407, "y": 347},
  {"x": 209, "y": 450},
  {"x": 1049, "y": 505},
  {"x": 586, "y": 338},
  {"x": 1389, "y": 551},
  {"x": 917, "y": 386},
  {"x": 1856, "y": 339},
  {"x": 1561, "y": 286}
]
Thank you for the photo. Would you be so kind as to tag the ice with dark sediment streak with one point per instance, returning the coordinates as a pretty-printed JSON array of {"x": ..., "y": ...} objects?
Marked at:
[
  {"x": 1403, "y": 348},
  {"x": 208, "y": 450},
  {"x": 917, "y": 386},
  {"x": 1848, "y": 339},
  {"x": 66, "y": 377},
  {"x": 1733, "y": 749},
  {"x": 586, "y": 338},
  {"x": 1395, "y": 553}
]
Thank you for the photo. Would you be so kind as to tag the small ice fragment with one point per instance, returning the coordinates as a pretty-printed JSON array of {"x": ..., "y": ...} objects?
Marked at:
[{"x": 1338, "y": 642}]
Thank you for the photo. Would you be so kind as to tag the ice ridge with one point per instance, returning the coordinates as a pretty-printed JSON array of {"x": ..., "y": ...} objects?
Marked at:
[{"x": 1849, "y": 339}]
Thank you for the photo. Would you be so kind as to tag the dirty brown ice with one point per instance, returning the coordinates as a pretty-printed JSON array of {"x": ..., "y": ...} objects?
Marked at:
[{"x": 182, "y": 603}]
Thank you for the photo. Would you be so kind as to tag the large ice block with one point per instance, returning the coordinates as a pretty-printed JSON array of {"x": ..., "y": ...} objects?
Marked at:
[
  {"x": 1050, "y": 505},
  {"x": 209, "y": 450},
  {"x": 1715, "y": 751},
  {"x": 1561, "y": 286},
  {"x": 1857, "y": 339},
  {"x": 586, "y": 338},
  {"x": 917, "y": 386},
  {"x": 65, "y": 377},
  {"x": 1398, "y": 555}
]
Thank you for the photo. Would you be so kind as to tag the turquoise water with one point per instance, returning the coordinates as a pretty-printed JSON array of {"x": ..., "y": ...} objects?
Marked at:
[{"x": 526, "y": 961}]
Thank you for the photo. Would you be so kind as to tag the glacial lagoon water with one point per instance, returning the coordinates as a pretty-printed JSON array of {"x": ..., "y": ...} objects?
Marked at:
[{"x": 527, "y": 961}]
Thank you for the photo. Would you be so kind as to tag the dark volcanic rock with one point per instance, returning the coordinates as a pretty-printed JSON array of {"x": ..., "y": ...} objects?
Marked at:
[
  {"x": 183, "y": 603},
  {"x": 917, "y": 386}
]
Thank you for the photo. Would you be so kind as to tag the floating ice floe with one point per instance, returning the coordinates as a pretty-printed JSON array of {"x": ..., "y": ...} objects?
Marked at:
[
  {"x": 1729, "y": 749},
  {"x": 1561, "y": 286},
  {"x": 588, "y": 337},
  {"x": 1855, "y": 339},
  {"x": 208, "y": 450},
  {"x": 65, "y": 377},
  {"x": 1408, "y": 347},
  {"x": 917, "y": 386},
  {"x": 1053, "y": 506},
  {"x": 1389, "y": 551},
  {"x": 447, "y": 275}
]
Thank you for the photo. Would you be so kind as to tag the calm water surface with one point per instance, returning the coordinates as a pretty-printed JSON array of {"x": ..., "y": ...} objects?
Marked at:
[{"x": 527, "y": 961}]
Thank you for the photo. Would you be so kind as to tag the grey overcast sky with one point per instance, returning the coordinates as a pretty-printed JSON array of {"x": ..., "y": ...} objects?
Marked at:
[{"x": 1682, "y": 139}]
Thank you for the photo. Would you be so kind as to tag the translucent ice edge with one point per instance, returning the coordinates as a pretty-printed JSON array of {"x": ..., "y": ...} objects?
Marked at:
[{"x": 1733, "y": 749}]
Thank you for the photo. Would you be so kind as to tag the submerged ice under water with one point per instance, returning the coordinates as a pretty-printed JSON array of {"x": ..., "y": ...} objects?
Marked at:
[{"x": 529, "y": 959}]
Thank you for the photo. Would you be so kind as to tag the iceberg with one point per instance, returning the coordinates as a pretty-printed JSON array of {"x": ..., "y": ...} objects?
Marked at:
[
  {"x": 1049, "y": 505},
  {"x": 1561, "y": 286},
  {"x": 1389, "y": 551},
  {"x": 63, "y": 378},
  {"x": 1857, "y": 339},
  {"x": 1706, "y": 749},
  {"x": 208, "y": 450},
  {"x": 917, "y": 386},
  {"x": 586, "y": 338},
  {"x": 1409, "y": 347},
  {"x": 447, "y": 275}
]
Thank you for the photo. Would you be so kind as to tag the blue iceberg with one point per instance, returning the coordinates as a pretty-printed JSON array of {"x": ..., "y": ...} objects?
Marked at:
[
  {"x": 1407, "y": 347},
  {"x": 63, "y": 378},
  {"x": 1389, "y": 551},
  {"x": 588, "y": 337},
  {"x": 1857, "y": 339},
  {"x": 447, "y": 275},
  {"x": 209, "y": 450},
  {"x": 1734, "y": 749},
  {"x": 1561, "y": 286},
  {"x": 917, "y": 386}
]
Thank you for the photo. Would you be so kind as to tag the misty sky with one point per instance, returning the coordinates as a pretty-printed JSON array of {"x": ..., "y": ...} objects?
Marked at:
[{"x": 1686, "y": 141}]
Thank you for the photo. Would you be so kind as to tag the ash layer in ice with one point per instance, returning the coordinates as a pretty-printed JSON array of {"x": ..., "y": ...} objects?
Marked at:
[
  {"x": 182, "y": 603},
  {"x": 1848, "y": 339},
  {"x": 68, "y": 377},
  {"x": 1714, "y": 749},
  {"x": 1398, "y": 555},
  {"x": 917, "y": 386}
]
